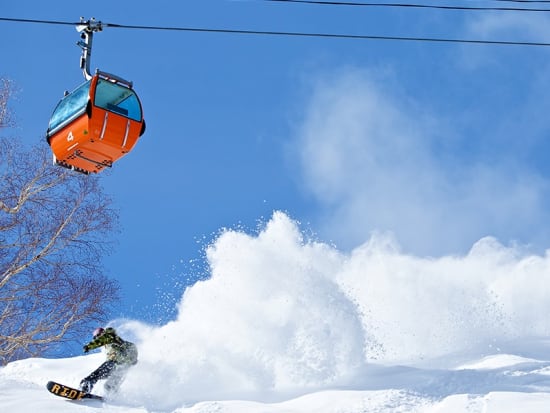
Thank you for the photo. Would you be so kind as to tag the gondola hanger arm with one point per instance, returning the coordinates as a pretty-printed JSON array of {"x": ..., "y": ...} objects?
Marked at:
[{"x": 87, "y": 28}]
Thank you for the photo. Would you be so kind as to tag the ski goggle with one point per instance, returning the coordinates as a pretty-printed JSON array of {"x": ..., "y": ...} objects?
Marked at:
[{"x": 98, "y": 331}]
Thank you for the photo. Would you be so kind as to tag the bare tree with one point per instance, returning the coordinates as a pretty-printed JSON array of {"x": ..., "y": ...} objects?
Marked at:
[
  {"x": 54, "y": 229},
  {"x": 6, "y": 91}
]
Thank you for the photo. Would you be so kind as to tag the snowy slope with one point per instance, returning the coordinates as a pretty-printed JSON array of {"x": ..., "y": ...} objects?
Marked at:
[
  {"x": 499, "y": 384},
  {"x": 288, "y": 325}
]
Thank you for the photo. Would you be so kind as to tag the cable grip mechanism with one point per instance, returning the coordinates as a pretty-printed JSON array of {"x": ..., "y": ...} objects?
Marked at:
[{"x": 87, "y": 28}]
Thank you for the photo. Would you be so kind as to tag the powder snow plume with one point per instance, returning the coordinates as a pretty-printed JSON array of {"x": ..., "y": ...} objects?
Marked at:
[{"x": 282, "y": 315}]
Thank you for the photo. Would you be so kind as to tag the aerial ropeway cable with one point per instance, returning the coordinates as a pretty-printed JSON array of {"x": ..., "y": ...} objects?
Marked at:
[
  {"x": 341, "y": 36},
  {"x": 415, "y": 5}
]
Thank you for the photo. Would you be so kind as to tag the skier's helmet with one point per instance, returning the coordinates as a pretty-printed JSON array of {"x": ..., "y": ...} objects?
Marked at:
[{"x": 98, "y": 331}]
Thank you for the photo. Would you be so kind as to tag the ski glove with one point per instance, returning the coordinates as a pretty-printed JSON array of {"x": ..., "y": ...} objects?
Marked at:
[{"x": 86, "y": 348}]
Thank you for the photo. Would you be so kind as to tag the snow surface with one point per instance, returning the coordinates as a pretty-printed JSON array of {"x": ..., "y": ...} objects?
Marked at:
[{"x": 286, "y": 324}]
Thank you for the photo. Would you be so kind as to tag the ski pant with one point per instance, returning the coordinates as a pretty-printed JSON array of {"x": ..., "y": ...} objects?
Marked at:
[{"x": 110, "y": 370}]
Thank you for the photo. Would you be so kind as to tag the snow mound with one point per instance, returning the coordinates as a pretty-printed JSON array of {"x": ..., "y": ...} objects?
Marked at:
[{"x": 286, "y": 323}]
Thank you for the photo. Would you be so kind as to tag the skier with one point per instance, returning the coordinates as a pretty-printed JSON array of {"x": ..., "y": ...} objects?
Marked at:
[{"x": 121, "y": 355}]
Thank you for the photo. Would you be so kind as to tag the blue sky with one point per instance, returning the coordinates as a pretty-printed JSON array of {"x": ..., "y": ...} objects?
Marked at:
[{"x": 439, "y": 144}]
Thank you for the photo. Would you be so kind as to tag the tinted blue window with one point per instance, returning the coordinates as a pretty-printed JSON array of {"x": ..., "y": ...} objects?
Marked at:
[
  {"x": 117, "y": 99},
  {"x": 70, "y": 107}
]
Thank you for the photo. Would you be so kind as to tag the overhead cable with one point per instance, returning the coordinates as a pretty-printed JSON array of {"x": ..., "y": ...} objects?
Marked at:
[
  {"x": 522, "y": 1},
  {"x": 15, "y": 20},
  {"x": 410, "y": 5},
  {"x": 289, "y": 33}
]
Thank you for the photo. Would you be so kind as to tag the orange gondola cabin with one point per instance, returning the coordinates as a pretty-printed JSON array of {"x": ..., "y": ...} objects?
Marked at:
[{"x": 96, "y": 124}]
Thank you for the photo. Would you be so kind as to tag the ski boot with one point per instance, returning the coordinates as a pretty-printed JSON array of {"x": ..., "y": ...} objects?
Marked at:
[{"x": 86, "y": 386}]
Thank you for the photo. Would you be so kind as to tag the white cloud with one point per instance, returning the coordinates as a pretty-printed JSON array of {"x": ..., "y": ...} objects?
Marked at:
[
  {"x": 498, "y": 26},
  {"x": 516, "y": 26},
  {"x": 375, "y": 161}
]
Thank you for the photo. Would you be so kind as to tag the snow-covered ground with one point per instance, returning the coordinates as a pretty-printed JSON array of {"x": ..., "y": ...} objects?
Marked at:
[
  {"x": 500, "y": 383},
  {"x": 288, "y": 325}
]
